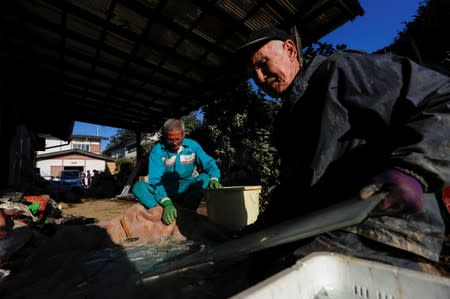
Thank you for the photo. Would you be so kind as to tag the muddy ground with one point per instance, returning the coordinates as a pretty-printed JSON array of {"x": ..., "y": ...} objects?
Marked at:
[
  {"x": 105, "y": 208},
  {"x": 100, "y": 209}
]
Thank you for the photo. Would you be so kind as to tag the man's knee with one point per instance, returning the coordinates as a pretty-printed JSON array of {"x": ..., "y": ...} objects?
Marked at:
[{"x": 145, "y": 194}]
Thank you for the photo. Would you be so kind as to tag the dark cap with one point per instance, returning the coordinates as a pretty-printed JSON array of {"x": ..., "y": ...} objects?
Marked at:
[{"x": 260, "y": 37}]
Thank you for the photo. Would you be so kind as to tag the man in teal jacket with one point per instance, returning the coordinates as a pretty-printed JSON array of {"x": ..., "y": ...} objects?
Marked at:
[{"x": 172, "y": 172}]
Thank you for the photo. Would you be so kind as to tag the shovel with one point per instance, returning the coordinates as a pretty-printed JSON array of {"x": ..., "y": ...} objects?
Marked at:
[{"x": 344, "y": 214}]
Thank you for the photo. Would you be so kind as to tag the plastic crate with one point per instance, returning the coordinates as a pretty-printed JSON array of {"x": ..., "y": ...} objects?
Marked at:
[{"x": 335, "y": 276}]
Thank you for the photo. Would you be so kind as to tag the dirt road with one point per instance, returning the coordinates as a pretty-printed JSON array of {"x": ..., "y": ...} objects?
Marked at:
[{"x": 101, "y": 209}]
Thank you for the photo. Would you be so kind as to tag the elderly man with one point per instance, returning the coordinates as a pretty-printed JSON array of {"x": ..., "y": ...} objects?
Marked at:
[
  {"x": 173, "y": 165},
  {"x": 353, "y": 124}
]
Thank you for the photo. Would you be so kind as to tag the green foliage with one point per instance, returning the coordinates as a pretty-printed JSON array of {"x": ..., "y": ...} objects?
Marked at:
[
  {"x": 120, "y": 137},
  {"x": 425, "y": 39},
  {"x": 320, "y": 48},
  {"x": 238, "y": 127},
  {"x": 191, "y": 123},
  {"x": 124, "y": 168}
]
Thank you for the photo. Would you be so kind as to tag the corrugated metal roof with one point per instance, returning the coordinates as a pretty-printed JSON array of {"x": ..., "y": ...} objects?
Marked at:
[{"x": 131, "y": 64}]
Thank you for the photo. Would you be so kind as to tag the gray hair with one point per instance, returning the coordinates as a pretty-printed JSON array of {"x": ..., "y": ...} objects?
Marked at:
[{"x": 173, "y": 124}]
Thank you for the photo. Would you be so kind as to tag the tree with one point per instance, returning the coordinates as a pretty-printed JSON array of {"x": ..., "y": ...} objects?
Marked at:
[
  {"x": 237, "y": 130},
  {"x": 120, "y": 137},
  {"x": 425, "y": 38},
  {"x": 191, "y": 123},
  {"x": 321, "y": 48}
]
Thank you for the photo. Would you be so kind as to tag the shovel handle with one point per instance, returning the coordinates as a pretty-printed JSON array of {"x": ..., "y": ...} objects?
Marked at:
[{"x": 125, "y": 228}]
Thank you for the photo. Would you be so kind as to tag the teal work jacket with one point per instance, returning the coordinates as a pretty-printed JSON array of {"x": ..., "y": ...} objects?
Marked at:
[{"x": 171, "y": 173}]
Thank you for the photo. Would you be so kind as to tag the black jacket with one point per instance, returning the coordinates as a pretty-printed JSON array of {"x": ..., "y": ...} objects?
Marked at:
[{"x": 355, "y": 115}]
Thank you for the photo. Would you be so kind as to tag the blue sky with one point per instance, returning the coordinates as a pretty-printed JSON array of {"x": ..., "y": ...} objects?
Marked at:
[
  {"x": 377, "y": 28},
  {"x": 81, "y": 128}
]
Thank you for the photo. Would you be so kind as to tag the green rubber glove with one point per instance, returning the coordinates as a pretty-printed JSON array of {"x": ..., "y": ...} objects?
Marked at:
[
  {"x": 34, "y": 207},
  {"x": 169, "y": 212},
  {"x": 214, "y": 184}
]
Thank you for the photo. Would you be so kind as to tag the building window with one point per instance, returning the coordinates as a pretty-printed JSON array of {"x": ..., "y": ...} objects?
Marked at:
[{"x": 82, "y": 147}]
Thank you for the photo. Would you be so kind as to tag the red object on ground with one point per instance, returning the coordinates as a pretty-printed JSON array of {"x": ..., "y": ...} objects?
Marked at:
[
  {"x": 3, "y": 225},
  {"x": 446, "y": 197},
  {"x": 42, "y": 200}
]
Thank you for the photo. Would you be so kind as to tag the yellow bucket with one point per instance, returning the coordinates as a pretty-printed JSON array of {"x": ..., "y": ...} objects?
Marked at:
[{"x": 233, "y": 207}]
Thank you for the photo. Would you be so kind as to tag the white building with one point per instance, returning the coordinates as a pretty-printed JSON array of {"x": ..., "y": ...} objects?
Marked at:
[
  {"x": 81, "y": 153},
  {"x": 85, "y": 143},
  {"x": 128, "y": 148}
]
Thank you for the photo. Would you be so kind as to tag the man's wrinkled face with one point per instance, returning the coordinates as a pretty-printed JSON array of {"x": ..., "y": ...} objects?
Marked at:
[
  {"x": 274, "y": 66},
  {"x": 174, "y": 139}
]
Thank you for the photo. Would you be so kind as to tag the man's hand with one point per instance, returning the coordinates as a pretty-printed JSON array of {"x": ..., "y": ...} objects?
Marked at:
[
  {"x": 405, "y": 193},
  {"x": 214, "y": 184},
  {"x": 169, "y": 212}
]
